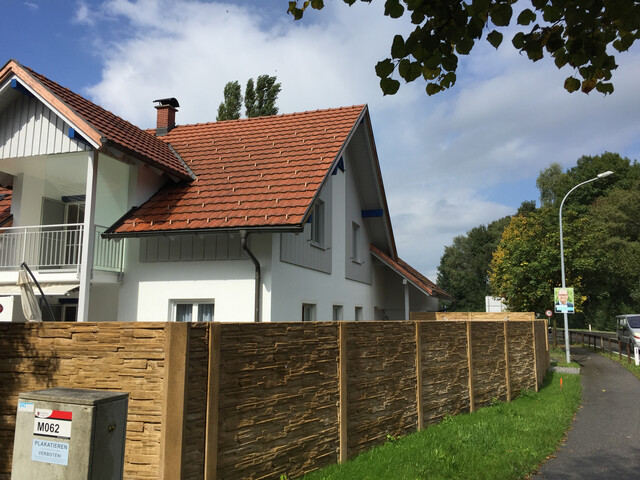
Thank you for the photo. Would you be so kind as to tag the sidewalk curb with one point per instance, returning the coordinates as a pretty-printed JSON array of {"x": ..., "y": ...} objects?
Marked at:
[{"x": 573, "y": 370}]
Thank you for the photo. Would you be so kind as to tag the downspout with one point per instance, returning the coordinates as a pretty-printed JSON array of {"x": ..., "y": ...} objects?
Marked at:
[{"x": 243, "y": 242}]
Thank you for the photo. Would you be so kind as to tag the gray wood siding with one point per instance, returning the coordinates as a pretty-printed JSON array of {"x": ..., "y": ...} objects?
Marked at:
[
  {"x": 296, "y": 248},
  {"x": 29, "y": 128},
  {"x": 360, "y": 271},
  {"x": 189, "y": 248}
]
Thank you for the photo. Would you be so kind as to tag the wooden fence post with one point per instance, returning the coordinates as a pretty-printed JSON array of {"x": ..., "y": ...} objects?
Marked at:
[
  {"x": 472, "y": 406},
  {"x": 342, "y": 373},
  {"x": 176, "y": 365},
  {"x": 213, "y": 401},
  {"x": 535, "y": 354},
  {"x": 506, "y": 360},
  {"x": 619, "y": 351},
  {"x": 419, "y": 374}
]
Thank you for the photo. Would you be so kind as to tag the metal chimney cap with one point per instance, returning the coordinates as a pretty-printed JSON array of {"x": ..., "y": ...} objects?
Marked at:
[{"x": 172, "y": 102}]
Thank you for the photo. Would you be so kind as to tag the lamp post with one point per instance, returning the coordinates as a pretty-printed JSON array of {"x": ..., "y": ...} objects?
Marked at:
[{"x": 566, "y": 318}]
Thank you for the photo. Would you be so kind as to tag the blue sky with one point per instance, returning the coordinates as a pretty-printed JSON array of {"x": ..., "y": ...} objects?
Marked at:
[{"x": 449, "y": 162}]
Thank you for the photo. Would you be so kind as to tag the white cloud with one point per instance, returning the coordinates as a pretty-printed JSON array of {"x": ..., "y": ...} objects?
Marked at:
[
  {"x": 443, "y": 158},
  {"x": 83, "y": 14}
]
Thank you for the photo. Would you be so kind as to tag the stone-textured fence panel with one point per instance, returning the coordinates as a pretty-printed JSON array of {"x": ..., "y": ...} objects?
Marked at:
[{"x": 234, "y": 401}]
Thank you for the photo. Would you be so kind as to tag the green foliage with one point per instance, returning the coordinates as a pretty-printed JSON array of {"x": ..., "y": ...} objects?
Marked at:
[
  {"x": 259, "y": 99},
  {"x": 612, "y": 235},
  {"x": 503, "y": 441},
  {"x": 601, "y": 232},
  {"x": 572, "y": 32},
  {"x": 229, "y": 109},
  {"x": 464, "y": 265},
  {"x": 525, "y": 267}
]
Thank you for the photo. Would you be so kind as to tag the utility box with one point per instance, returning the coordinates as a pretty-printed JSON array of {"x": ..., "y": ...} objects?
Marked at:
[{"x": 70, "y": 434}]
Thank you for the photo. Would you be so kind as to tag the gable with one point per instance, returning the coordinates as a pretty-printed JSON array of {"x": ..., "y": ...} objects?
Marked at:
[
  {"x": 99, "y": 127},
  {"x": 29, "y": 128}
]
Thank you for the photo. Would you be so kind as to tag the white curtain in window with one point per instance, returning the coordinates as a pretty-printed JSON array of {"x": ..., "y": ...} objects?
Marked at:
[
  {"x": 205, "y": 312},
  {"x": 184, "y": 311}
]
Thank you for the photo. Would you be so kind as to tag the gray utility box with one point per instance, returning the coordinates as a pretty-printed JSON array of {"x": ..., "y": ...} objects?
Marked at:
[{"x": 70, "y": 434}]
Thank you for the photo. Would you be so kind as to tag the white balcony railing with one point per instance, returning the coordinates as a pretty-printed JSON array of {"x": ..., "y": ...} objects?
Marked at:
[{"x": 56, "y": 247}]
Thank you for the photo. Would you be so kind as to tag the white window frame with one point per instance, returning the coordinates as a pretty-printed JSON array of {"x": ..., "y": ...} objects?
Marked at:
[
  {"x": 337, "y": 313},
  {"x": 318, "y": 224},
  {"x": 195, "y": 305},
  {"x": 355, "y": 242},
  {"x": 358, "y": 313},
  {"x": 309, "y": 312}
]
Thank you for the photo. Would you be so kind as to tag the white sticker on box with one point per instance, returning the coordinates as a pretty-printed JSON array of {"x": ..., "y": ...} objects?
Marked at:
[
  {"x": 48, "y": 451},
  {"x": 25, "y": 407},
  {"x": 52, "y": 423}
]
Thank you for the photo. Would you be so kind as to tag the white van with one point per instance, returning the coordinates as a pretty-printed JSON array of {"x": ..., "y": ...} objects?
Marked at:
[{"x": 629, "y": 329}]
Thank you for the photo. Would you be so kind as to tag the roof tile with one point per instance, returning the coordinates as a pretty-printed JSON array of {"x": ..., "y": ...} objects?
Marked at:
[
  {"x": 151, "y": 149},
  {"x": 413, "y": 275},
  {"x": 253, "y": 172}
]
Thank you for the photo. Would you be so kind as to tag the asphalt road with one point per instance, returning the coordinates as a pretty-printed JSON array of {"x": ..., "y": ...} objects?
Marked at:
[{"x": 604, "y": 441}]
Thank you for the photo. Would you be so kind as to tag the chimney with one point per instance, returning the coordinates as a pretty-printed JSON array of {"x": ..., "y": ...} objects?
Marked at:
[{"x": 167, "y": 109}]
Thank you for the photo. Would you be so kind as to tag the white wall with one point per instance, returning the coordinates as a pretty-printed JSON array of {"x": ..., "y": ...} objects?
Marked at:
[
  {"x": 293, "y": 285},
  {"x": 361, "y": 270},
  {"x": 148, "y": 288},
  {"x": 7, "y": 303},
  {"x": 103, "y": 305},
  {"x": 112, "y": 190}
]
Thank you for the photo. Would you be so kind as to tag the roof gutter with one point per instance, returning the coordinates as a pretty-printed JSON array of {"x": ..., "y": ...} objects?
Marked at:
[
  {"x": 110, "y": 233},
  {"x": 258, "y": 280}
]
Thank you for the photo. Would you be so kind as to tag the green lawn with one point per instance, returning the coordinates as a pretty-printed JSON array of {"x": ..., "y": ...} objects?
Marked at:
[
  {"x": 624, "y": 362},
  {"x": 559, "y": 358},
  {"x": 504, "y": 441}
]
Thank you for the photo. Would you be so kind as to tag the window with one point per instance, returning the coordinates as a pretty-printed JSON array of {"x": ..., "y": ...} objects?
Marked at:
[
  {"x": 355, "y": 242},
  {"x": 359, "y": 314},
  {"x": 337, "y": 313},
  {"x": 317, "y": 224},
  {"x": 192, "y": 311},
  {"x": 308, "y": 312}
]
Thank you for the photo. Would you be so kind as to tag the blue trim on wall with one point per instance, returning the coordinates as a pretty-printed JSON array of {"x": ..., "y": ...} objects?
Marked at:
[
  {"x": 18, "y": 87},
  {"x": 339, "y": 166},
  {"x": 372, "y": 213},
  {"x": 75, "y": 135}
]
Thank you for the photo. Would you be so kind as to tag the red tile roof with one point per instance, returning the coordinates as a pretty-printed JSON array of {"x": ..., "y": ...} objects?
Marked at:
[
  {"x": 124, "y": 135},
  {"x": 259, "y": 172},
  {"x": 411, "y": 274}
]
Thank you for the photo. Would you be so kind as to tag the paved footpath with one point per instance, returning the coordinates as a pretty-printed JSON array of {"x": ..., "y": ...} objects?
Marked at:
[{"x": 604, "y": 441}]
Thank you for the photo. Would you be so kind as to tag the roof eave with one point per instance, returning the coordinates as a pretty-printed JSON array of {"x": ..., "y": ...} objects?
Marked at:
[{"x": 111, "y": 234}]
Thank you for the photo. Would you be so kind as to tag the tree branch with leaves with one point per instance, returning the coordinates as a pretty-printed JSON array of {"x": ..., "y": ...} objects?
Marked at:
[{"x": 580, "y": 34}]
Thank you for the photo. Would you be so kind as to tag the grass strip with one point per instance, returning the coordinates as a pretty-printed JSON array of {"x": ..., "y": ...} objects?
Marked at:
[
  {"x": 624, "y": 362},
  {"x": 503, "y": 441},
  {"x": 559, "y": 358}
]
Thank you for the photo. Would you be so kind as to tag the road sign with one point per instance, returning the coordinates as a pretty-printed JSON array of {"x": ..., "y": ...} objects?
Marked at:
[{"x": 548, "y": 313}]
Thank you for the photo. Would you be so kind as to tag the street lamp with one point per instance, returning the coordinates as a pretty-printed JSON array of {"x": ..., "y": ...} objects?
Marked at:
[{"x": 566, "y": 319}]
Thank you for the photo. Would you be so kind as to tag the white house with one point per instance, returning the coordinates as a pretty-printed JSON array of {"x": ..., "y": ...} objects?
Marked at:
[{"x": 267, "y": 219}]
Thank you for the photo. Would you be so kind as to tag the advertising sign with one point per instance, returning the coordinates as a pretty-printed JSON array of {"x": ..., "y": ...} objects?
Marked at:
[{"x": 563, "y": 298}]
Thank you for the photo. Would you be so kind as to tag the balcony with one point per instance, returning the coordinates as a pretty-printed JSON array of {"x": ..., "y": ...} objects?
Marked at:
[{"x": 56, "y": 248}]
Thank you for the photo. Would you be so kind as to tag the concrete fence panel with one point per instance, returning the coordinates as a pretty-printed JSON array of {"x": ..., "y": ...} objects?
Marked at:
[
  {"x": 231, "y": 401},
  {"x": 445, "y": 370}
]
